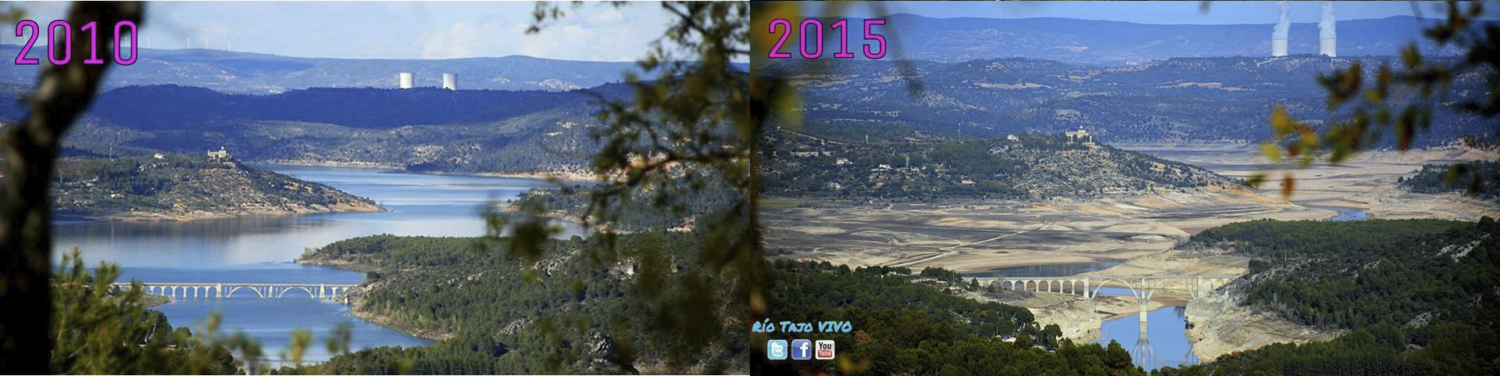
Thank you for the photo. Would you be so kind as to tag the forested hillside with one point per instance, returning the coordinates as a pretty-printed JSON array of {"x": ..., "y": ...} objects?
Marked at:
[
  {"x": 1027, "y": 166},
  {"x": 1417, "y": 296},
  {"x": 1480, "y": 179},
  {"x": 255, "y": 73},
  {"x": 903, "y": 327},
  {"x": 1209, "y": 99},
  {"x": 152, "y": 108},
  {"x": 424, "y": 130},
  {"x": 187, "y": 187},
  {"x": 569, "y": 314}
]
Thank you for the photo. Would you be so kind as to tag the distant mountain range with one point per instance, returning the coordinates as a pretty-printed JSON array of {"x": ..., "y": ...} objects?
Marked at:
[
  {"x": 423, "y": 129},
  {"x": 1179, "y": 99},
  {"x": 983, "y": 78},
  {"x": 254, "y": 73},
  {"x": 1113, "y": 43}
]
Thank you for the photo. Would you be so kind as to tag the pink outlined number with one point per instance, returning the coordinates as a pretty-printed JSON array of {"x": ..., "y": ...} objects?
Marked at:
[
  {"x": 67, "y": 42},
  {"x": 66, "y": 38},
  {"x": 802, "y": 38},
  {"x": 121, "y": 24},
  {"x": 93, "y": 29},
  {"x": 774, "y": 54},
  {"x": 843, "y": 28},
  {"x": 21, "y": 59},
  {"x": 869, "y": 35},
  {"x": 816, "y": 51}
]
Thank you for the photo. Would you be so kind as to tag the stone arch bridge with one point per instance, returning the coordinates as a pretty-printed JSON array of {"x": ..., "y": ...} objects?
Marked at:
[{"x": 325, "y": 291}]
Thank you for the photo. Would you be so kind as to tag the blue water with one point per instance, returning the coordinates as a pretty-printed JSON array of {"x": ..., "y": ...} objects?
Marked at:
[
  {"x": 262, "y": 249},
  {"x": 1165, "y": 342},
  {"x": 1349, "y": 215},
  {"x": 1344, "y": 214}
]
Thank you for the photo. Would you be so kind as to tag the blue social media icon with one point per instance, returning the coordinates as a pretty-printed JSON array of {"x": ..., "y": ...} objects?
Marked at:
[
  {"x": 776, "y": 349},
  {"x": 802, "y": 349}
]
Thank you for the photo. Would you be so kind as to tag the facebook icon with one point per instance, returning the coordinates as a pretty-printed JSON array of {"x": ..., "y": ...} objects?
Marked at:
[{"x": 801, "y": 349}]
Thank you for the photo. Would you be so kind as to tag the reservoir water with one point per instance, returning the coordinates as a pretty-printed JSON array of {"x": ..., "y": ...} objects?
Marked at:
[
  {"x": 1165, "y": 342},
  {"x": 262, "y": 249}
]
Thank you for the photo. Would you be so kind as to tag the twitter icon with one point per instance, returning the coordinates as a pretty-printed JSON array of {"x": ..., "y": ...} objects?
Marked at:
[{"x": 776, "y": 349}]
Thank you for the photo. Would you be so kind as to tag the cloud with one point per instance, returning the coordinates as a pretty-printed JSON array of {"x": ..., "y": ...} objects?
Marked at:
[
  {"x": 589, "y": 33},
  {"x": 457, "y": 41}
]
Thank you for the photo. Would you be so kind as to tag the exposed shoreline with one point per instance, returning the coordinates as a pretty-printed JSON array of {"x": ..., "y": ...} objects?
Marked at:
[
  {"x": 140, "y": 217},
  {"x": 572, "y": 177}
]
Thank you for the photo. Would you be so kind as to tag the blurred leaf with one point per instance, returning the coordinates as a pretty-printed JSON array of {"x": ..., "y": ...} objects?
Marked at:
[
  {"x": 1288, "y": 185},
  {"x": 1281, "y": 123},
  {"x": 1271, "y": 151},
  {"x": 1255, "y": 180}
]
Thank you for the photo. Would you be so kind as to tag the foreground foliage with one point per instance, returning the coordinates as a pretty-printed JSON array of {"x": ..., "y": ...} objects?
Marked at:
[
  {"x": 100, "y": 329},
  {"x": 1417, "y": 296},
  {"x": 565, "y": 313},
  {"x": 903, "y": 327}
]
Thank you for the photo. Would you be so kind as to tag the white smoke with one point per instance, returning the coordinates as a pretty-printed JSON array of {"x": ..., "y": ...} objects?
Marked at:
[
  {"x": 1325, "y": 26},
  {"x": 1284, "y": 26}
]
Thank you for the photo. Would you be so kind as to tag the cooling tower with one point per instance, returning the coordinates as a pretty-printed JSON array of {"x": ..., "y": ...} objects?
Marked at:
[
  {"x": 1282, "y": 30},
  {"x": 405, "y": 80},
  {"x": 1327, "y": 36},
  {"x": 450, "y": 82}
]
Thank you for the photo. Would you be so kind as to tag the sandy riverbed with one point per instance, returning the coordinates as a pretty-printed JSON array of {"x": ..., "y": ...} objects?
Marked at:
[{"x": 1144, "y": 230}]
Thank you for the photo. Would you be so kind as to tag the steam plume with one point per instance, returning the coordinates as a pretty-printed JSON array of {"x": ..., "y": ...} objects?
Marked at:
[
  {"x": 1325, "y": 27},
  {"x": 1285, "y": 24}
]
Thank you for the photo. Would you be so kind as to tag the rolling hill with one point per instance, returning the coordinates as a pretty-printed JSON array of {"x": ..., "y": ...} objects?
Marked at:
[
  {"x": 1117, "y": 44},
  {"x": 253, "y": 73},
  {"x": 1214, "y": 99}
]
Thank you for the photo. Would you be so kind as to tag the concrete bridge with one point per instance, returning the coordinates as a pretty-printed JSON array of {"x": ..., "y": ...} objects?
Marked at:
[
  {"x": 328, "y": 291},
  {"x": 1140, "y": 286}
]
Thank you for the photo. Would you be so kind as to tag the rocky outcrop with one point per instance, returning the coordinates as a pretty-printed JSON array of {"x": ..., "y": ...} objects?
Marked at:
[
  {"x": 1222, "y": 323},
  {"x": 188, "y": 187},
  {"x": 1075, "y": 315}
]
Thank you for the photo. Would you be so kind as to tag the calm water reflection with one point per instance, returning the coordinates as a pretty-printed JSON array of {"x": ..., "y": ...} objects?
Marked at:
[
  {"x": 1165, "y": 342},
  {"x": 261, "y": 249},
  {"x": 1346, "y": 214}
]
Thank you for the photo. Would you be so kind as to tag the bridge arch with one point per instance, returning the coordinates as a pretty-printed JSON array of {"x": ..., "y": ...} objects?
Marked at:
[
  {"x": 237, "y": 288},
  {"x": 310, "y": 293},
  {"x": 1128, "y": 285}
]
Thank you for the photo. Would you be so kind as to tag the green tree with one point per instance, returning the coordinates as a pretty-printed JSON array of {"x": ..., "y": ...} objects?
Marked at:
[
  {"x": 687, "y": 128},
  {"x": 102, "y": 329},
  {"x": 31, "y": 148}
]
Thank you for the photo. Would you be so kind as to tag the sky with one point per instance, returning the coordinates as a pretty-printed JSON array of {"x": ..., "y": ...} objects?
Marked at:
[
  {"x": 392, "y": 30},
  {"x": 1163, "y": 12},
  {"x": 595, "y": 32}
]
